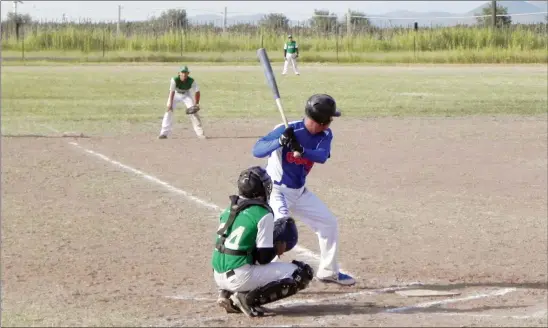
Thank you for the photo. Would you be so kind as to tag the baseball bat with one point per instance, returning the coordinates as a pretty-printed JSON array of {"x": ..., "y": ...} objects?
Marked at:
[{"x": 269, "y": 74}]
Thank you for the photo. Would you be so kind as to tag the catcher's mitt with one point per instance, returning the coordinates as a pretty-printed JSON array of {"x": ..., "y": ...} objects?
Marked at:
[
  {"x": 286, "y": 230},
  {"x": 193, "y": 109}
]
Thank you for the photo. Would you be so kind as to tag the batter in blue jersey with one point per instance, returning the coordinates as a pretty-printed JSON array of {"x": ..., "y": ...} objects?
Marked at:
[{"x": 311, "y": 137}]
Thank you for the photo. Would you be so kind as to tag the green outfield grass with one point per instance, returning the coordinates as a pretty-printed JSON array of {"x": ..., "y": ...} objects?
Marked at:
[{"x": 107, "y": 96}]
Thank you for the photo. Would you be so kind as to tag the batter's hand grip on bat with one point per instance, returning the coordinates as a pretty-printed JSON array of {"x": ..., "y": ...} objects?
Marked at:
[{"x": 268, "y": 73}]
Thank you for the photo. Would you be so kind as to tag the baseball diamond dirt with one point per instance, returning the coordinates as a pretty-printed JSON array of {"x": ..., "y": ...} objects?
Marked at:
[{"x": 117, "y": 229}]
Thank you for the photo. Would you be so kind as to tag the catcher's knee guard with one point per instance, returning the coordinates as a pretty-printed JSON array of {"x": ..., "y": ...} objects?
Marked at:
[{"x": 303, "y": 275}]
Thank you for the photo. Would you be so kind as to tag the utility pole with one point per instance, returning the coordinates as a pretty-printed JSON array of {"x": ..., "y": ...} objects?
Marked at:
[
  {"x": 494, "y": 14},
  {"x": 349, "y": 23},
  {"x": 119, "y": 19},
  {"x": 15, "y": 7},
  {"x": 17, "y": 20},
  {"x": 224, "y": 20}
]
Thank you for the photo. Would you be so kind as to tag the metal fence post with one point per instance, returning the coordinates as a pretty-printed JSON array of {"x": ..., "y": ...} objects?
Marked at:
[
  {"x": 103, "y": 42},
  {"x": 337, "y": 42},
  {"x": 23, "y": 44}
]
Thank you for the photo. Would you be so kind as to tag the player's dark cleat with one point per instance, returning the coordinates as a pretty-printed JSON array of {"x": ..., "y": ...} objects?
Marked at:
[
  {"x": 262, "y": 310},
  {"x": 224, "y": 301},
  {"x": 239, "y": 300},
  {"x": 162, "y": 136}
]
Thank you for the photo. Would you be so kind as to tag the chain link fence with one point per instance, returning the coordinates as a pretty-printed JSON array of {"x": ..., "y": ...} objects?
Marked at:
[{"x": 320, "y": 36}]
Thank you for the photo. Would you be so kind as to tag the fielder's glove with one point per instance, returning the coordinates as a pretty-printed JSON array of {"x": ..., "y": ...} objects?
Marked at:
[
  {"x": 193, "y": 109},
  {"x": 285, "y": 230}
]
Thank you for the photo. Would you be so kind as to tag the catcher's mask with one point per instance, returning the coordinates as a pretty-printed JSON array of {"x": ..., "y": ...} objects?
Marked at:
[{"x": 254, "y": 182}]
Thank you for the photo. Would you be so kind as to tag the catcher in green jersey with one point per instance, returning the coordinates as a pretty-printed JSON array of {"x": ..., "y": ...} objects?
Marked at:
[
  {"x": 246, "y": 243},
  {"x": 183, "y": 89},
  {"x": 291, "y": 53}
]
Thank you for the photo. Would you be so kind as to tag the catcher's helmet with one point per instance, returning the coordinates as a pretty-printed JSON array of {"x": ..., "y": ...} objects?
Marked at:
[
  {"x": 286, "y": 230},
  {"x": 254, "y": 182},
  {"x": 321, "y": 107}
]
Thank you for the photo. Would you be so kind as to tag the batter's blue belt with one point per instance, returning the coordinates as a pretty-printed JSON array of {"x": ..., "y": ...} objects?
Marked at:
[{"x": 277, "y": 183}]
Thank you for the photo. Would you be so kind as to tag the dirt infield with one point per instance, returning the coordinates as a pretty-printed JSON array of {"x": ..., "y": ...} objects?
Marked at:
[{"x": 118, "y": 230}]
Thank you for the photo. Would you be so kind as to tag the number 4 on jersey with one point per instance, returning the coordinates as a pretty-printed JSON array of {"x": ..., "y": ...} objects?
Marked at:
[{"x": 233, "y": 240}]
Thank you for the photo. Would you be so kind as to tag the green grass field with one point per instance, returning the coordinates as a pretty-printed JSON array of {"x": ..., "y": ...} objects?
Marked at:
[{"x": 103, "y": 97}]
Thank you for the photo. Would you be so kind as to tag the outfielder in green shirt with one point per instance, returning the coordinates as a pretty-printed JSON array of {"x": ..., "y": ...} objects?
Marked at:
[
  {"x": 245, "y": 246},
  {"x": 291, "y": 53}
]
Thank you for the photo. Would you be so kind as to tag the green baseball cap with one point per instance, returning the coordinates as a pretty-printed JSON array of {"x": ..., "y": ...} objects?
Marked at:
[{"x": 184, "y": 69}]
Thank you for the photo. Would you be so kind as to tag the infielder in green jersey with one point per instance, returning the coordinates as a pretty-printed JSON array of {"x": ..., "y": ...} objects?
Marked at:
[
  {"x": 245, "y": 247},
  {"x": 291, "y": 53},
  {"x": 184, "y": 89}
]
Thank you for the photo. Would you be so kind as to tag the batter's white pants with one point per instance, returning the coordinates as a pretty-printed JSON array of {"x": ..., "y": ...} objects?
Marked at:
[
  {"x": 167, "y": 121},
  {"x": 250, "y": 277},
  {"x": 290, "y": 58},
  {"x": 306, "y": 206}
]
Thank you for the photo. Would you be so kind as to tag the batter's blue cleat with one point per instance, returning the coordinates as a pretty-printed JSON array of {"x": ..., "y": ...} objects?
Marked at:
[{"x": 341, "y": 279}]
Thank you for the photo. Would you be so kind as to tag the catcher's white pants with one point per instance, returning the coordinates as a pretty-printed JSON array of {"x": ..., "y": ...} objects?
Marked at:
[
  {"x": 290, "y": 58},
  {"x": 167, "y": 121},
  {"x": 250, "y": 277},
  {"x": 306, "y": 206}
]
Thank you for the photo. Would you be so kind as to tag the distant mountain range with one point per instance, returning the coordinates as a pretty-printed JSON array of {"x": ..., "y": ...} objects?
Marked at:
[{"x": 407, "y": 18}]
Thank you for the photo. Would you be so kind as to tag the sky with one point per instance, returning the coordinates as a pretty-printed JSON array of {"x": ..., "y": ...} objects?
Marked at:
[{"x": 140, "y": 10}]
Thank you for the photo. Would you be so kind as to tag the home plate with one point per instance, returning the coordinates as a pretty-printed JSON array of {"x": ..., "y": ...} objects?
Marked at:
[{"x": 425, "y": 293}]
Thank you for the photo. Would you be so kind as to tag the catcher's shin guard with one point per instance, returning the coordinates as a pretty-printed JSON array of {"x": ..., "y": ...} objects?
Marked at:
[
  {"x": 283, "y": 288},
  {"x": 272, "y": 292}
]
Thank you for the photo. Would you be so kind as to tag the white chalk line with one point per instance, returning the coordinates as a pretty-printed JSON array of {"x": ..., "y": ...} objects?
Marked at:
[
  {"x": 52, "y": 129},
  {"x": 190, "y": 297},
  {"x": 499, "y": 292},
  {"x": 302, "y": 251},
  {"x": 344, "y": 296},
  {"x": 536, "y": 315},
  {"x": 292, "y": 303}
]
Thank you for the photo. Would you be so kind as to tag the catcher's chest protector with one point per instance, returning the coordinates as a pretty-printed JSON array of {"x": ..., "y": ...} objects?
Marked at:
[{"x": 237, "y": 205}]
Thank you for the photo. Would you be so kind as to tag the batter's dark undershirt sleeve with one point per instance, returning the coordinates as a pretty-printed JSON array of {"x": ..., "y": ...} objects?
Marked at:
[{"x": 265, "y": 255}]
